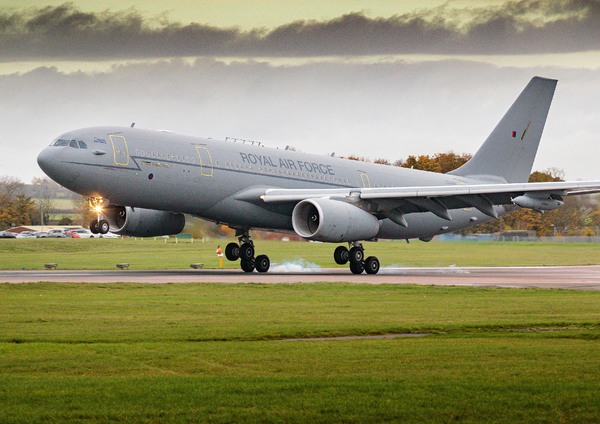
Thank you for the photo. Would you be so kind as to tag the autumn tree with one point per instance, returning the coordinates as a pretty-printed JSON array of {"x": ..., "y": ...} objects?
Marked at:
[
  {"x": 423, "y": 163},
  {"x": 440, "y": 162},
  {"x": 15, "y": 208},
  {"x": 382, "y": 161}
]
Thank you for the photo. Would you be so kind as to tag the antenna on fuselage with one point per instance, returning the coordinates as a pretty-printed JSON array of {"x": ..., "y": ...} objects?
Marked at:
[{"x": 132, "y": 124}]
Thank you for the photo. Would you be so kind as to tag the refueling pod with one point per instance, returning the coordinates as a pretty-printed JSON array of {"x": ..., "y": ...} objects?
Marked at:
[{"x": 538, "y": 202}]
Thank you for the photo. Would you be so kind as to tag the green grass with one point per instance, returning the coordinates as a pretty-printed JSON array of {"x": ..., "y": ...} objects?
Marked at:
[
  {"x": 156, "y": 254},
  {"x": 216, "y": 352}
]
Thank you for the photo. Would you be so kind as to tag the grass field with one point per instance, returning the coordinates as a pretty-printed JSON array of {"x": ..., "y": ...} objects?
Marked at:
[
  {"x": 220, "y": 353},
  {"x": 158, "y": 254},
  {"x": 223, "y": 353}
]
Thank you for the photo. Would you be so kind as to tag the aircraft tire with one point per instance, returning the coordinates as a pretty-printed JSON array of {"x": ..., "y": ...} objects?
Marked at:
[
  {"x": 247, "y": 265},
  {"x": 372, "y": 265},
  {"x": 246, "y": 251},
  {"x": 262, "y": 263},
  {"x": 357, "y": 254},
  {"x": 94, "y": 226},
  {"x": 341, "y": 255},
  {"x": 103, "y": 226},
  {"x": 357, "y": 267},
  {"x": 232, "y": 251}
]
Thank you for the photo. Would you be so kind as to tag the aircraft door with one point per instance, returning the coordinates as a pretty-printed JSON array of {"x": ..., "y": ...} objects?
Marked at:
[
  {"x": 206, "y": 163},
  {"x": 364, "y": 178},
  {"x": 120, "y": 149}
]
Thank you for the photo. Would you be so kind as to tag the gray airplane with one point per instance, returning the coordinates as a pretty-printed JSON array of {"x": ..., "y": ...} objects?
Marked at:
[{"x": 143, "y": 181}]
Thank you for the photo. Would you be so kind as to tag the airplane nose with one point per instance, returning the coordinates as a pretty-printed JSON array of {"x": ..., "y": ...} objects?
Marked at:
[{"x": 46, "y": 160}]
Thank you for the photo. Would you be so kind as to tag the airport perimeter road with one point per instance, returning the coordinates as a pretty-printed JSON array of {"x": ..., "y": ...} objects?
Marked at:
[{"x": 564, "y": 277}]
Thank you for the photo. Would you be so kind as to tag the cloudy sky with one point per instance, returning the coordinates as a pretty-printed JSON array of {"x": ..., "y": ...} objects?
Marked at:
[{"x": 379, "y": 78}]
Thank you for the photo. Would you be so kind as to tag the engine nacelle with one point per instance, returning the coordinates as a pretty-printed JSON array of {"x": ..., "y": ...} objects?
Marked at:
[
  {"x": 137, "y": 222},
  {"x": 537, "y": 203},
  {"x": 333, "y": 221}
]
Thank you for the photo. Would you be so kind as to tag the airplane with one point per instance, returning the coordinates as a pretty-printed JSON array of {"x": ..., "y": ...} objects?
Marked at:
[{"x": 142, "y": 182}]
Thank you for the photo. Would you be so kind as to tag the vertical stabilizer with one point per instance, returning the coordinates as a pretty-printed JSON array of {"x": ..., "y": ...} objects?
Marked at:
[{"x": 509, "y": 151}]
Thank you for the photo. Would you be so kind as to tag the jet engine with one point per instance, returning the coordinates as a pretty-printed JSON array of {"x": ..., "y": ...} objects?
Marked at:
[
  {"x": 137, "y": 222},
  {"x": 333, "y": 221}
]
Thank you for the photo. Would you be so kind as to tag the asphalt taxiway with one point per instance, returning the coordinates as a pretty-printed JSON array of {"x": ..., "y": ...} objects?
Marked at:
[{"x": 562, "y": 277}]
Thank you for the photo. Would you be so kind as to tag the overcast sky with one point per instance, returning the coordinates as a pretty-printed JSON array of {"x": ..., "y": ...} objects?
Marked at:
[{"x": 380, "y": 79}]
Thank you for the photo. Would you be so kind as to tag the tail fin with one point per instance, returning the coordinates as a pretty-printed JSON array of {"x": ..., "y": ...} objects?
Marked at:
[{"x": 509, "y": 151}]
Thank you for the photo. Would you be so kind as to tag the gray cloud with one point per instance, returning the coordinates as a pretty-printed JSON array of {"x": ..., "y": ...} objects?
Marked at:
[{"x": 513, "y": 27}]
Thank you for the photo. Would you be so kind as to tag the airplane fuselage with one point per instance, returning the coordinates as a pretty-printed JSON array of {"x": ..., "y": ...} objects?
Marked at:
[{"x": 222, "y": 180}]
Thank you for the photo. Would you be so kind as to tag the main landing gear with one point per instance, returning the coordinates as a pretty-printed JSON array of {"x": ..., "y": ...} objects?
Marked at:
[
  {"x": 245, "y": 253},
  {"x": 99, "y": 225},
  {"x": 356, "y": 257}
]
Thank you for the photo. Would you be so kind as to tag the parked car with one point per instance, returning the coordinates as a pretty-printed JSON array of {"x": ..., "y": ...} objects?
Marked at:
[
  {"x": 108, "y": 235},
  {"x": 57, "y": 234},
  {"x": 26, "y": 234},
  {"x": 41, "y": 234},
  {"x": 82, "y": 233},
  {"x": 7, "y": 234}
]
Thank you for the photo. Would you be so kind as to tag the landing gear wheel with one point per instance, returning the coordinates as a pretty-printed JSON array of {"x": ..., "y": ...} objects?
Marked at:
[
  {"x": 372, "y": 265},
  {"x": 357, "y": 267},
  {"x": 94, "y": 226},
  {"x": 232, "y": 251},
  {"x": 262, "y": 263},
  {"x": 357, "y": 254},
  {"x": 103, "y": 226},
  {"x": 341, "y": 255},
  {"x": 246, "y": 251},
  {"x": 247, "y": 265}
]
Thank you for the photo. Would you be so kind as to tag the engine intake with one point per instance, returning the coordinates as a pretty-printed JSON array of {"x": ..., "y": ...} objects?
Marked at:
[
  {"x": 137, "y": 222},
  {"x": 333, "y": 221}
]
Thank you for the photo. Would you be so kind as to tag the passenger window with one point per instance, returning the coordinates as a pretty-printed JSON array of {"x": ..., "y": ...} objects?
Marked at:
[
  {"x": 74, "y": 144},
  {"x": 82, "y": 145}
]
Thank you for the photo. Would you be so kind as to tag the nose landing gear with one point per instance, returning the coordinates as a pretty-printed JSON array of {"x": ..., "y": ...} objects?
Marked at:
[
  {"x": 356, "y": 257},
  {"x": 100, "y": 225},
  {"x": 245, "y": 252}
]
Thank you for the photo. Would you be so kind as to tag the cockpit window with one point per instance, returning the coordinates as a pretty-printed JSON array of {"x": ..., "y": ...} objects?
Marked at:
[
  {"x": 74, "y": 144},
  {"x": 82, "y": 145},
  {"x": 61, "y": 142}
]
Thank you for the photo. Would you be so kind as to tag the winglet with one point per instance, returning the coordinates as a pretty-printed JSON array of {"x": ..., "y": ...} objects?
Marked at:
[{"x": 509, "y": 151}]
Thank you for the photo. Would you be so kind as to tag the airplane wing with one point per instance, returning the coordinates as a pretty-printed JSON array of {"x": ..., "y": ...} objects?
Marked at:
[{"x": 438, "y": 199}]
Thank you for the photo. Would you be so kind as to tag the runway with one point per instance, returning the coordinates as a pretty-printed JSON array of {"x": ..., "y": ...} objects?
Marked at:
[{"x": 557, "y": 277}]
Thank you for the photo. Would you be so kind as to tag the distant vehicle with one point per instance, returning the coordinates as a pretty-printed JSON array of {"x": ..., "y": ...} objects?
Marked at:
[
  {"x": 57, "y": 234},
  {"x": 41, "y": 234},
  {"x": 26, "y": 234},
  {"x": 109, "y": 235},
  {"x": 81, "y": 233},
  {"x": 7, "y": 234}
]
